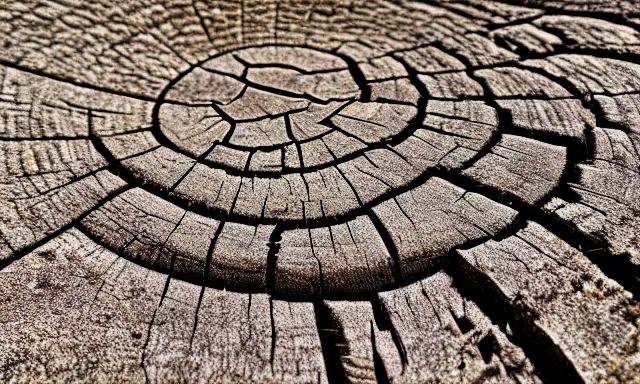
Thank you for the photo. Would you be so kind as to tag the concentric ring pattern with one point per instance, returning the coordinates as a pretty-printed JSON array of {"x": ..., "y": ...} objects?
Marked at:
[{"x": 329, "y": 191}]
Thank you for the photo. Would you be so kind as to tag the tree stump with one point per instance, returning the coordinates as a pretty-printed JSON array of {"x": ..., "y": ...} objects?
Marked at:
[{"x": 329, "y": 191}]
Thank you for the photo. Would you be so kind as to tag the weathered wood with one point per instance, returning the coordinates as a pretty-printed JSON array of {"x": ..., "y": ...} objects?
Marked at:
[
  {"x": 525, "y": 168},
  {"x": 589, "y": 31},
  {"x": 614, "y": 76},
  {"x": 517, "y": 82},
  {"x": 564, "y": 118},
  {"x": 428, "y": 221},
  {"x": 454, "y": 85},
  {"x": 527, "y": 38},
  {"x": 293, "y": 191},
  {"x": 608, "y": 204},
  {"x": 343, "y": 258},
  {"x": 352, "y": 324},
  {"x": 232, "y": 337},
  {"x": 587, "y": 322},
  {"x": 74, "y": 311},
  {"x": 430, "y": 315}
]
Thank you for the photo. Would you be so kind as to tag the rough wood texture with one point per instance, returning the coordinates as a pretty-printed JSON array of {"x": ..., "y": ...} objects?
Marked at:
[
  {"x": 320, "y": 191},
  {"x": 430, "y": 315},
  {"x": 556, "y": 294}
]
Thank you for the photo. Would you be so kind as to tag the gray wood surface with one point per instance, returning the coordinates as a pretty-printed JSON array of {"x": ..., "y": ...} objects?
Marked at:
[{"x": 284, "y": 191}]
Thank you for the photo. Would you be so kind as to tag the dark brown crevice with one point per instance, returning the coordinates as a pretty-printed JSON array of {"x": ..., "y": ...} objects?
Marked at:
[
  {"x": 577, "y": 147},
  {"x": 486, "y": 347},
  {"x": 146, "y": 341},
  {"x": 358, "y": 77},
  {"x": 320, "y": 289},
  {"x": 382, "y": 377},
  {"x": 196, "y": 316},
  {"x": 273, "y": 65},
  {"x": 272, "y": 258},
  {"x": 383, "y": 323},
  {"x": 161, "y": 249},
  {"x": 196, "y": 162},
  {"x": 205, "y": 277},
  {"x": 525, "y": 20},
  {"x": 116, "y": 134},
  {"x": 165, "y": 289},
  {"x": 202, "y": 23},
  {"x": 274, "y": 336},
  {"x": 212, "y": 246},
  {"x": 463, "y": 323},
  {"x": 390, "y": 246},
  {"x": 330, "y": 338}
]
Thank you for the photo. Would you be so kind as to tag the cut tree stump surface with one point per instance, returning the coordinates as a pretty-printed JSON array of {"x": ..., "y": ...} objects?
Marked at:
[{"x": 320, "y": 191}]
